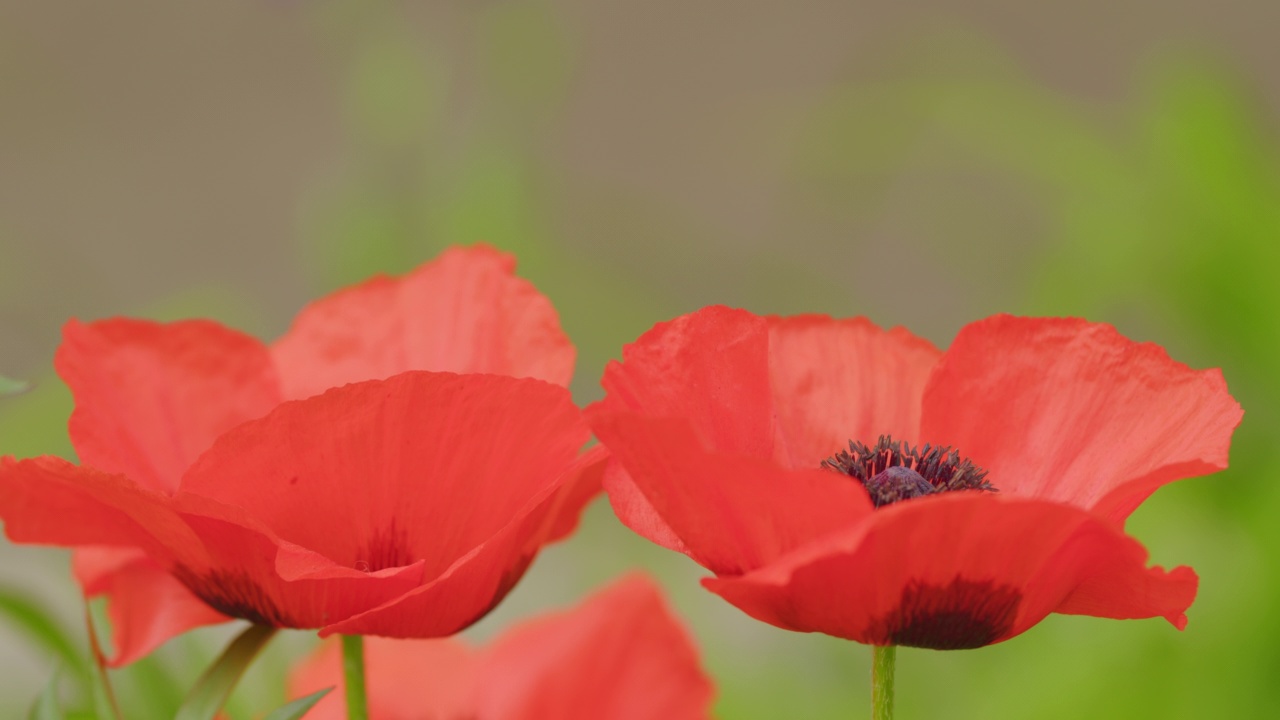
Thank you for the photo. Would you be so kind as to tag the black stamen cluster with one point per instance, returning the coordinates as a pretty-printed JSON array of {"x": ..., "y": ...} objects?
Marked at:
[{"x": 940, "y": 465}]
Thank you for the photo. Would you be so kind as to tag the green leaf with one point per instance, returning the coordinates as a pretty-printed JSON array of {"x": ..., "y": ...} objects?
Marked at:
[
  {"x": 32, "y": 619},
  {"x": 299, "y": 707},
  {"x": 46, "y": 706},
  {"x": 9, "y": 386},
  {"x": 215, "y": 685}
]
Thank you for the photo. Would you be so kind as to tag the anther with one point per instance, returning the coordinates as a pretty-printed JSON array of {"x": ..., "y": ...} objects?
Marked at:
[{"x": 893, "y": 471}]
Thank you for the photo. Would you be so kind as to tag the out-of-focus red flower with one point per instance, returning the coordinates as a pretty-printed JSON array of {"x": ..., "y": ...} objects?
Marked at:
[
  {"x": 620, "y": 654},
  {"x": 217, "y": 481},
  {"x": 720, "y": 420}
]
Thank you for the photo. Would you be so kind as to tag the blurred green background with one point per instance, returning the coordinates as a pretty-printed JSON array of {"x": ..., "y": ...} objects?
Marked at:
[{"x": 924, "y": 167}]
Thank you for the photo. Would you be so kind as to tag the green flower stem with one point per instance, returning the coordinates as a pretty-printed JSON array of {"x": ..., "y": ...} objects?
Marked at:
[
  {"x": 108, "y": 693},
  {"x": 882, "y": 660},
  {"x": 353, "y": 674},
  {"x": 216, "y": 683}
]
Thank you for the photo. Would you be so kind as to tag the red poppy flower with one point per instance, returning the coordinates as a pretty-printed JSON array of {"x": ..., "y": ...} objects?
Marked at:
[
  {"x": 216, "y": 483},
  {"x": 722, "y": 421},
  {"x": 620, "y": 654}
]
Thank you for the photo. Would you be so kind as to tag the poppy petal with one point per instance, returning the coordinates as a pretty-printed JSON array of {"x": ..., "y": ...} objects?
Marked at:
[
  {"x": 711, "y": 368},
  {"x": 635, "y": 511},
  {"x": 619, "y": 654},
  {"x": 150, "y": 397},
  {"x": 93, "y": 565},
  {"x": 47, "y": 500},
  {"x": 247, "y": 578},
  {"x": 407, "y": 679},
  {"x": 960, "y": 571},
  {"x": 145, "y": 604},
  {"x": 731, "y": 514},
  {"x": 840, "y": 380},
  {"x": 421, "y": 466},
  {"x": 478, "y": 581},
  {"x": 255, "y": 575},
  {"x": 584, "y": 480},
  {"x": 1072, "y": 411},
  {"x": 465, "y": 311}
]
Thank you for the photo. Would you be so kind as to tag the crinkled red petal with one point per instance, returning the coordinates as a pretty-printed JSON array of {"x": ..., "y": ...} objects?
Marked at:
[
  {"x": 479, "y": 580},
  {"x": 223, "y": 556},
  {"x": 583, "y": 481},
  {"x": 795, "y": 389},
  {"x": 465, "y": 312},
  {"x": 94, "y": 565},
  {"x": 732, "y": 514},
  {"x": 620, "y": 654},
  {"x": 959, "y": 571},
  {"x": 1072, "y": 411},
  {"x": 421, "y": 466},
  {"x": 150, "y": 397},
  {"x": 710, "y": 368},
  {"x": 839, "y": 380},
  {"x": 635, "y": 511},
  {"x": 47, "y": 500},
  {"x": 256, "y": 575}
]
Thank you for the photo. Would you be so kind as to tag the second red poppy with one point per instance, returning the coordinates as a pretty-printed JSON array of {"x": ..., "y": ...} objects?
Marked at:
[{"x": 839, "y": 478}]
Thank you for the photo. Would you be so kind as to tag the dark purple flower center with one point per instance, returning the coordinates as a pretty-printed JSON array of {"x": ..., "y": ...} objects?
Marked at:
[{"x": 893, "y": 471}]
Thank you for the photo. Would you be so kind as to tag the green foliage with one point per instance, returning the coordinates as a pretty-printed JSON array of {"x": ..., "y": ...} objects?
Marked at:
[
  {"x": 154, "y": 688},
  {"x": 1214, "y": 178},
  {"x": 297, "y": 708},
  {"x": 19, "y": 611},
  {"x": 215, "y": 685},
  {"x": 47, "y": 706}
]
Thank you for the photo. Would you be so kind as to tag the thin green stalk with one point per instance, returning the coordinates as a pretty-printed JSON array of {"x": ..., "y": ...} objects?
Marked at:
[
  {"x": 210, "y": 693},
  {"x": 353, "y": 675},
  {"x": 108, "y": 696},
  {"x": 882, "y": 661}
]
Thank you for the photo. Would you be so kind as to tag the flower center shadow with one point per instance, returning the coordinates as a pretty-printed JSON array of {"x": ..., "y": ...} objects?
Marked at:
[
  {"x": 960, "y": 615},
  {"x": 387, "y": 548},
  {"x": 234, "y": 594}
]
